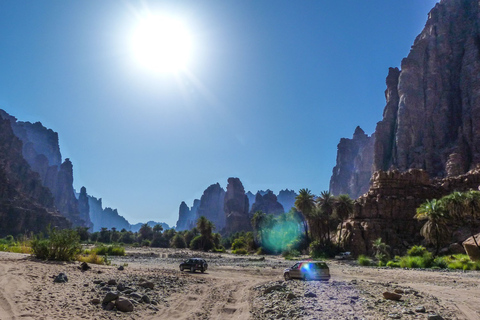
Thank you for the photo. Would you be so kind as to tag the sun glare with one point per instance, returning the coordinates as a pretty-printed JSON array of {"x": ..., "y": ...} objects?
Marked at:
[{"x": 162, "y": 44}]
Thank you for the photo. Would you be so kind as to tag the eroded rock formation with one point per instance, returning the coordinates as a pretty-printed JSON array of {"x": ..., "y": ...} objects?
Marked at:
[
  {"x": 287, "y": 199},
  {"x": 105, "y": 217},
  {"x": 185, "y": 217},
  {"x": 267, "y": 203},
  {"x": 25, "y": 205},
  {"x": 387, "y": 211},
  {"x": 352, "y": 173},
  {"x": 211, "y": 206},
  {"x": 236, "y": 207}
]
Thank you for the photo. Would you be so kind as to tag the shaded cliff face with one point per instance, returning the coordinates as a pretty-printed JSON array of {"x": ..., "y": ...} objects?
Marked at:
[
  {"x": 211, "y": 206},
  {"x": 185, "y": 217},
  {"x": 352, "y": 173},
  {"x": 105, "y": 218},
  {"x": 236, "y": 207},
  {"x": 42, "y": 152},
  {"x": 84, "y": 207},
  {"x": 287, "y": 199},
  {"x": 432, "y": 117},
  {"x": 268, "y": 204},
  {"x": 25, "y": 205}
]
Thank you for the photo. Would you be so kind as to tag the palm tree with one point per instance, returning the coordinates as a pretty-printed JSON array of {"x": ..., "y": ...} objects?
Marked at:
[
  {"x": 326, "y": 203},
  {"x": 258, "y": 220},
  {"x": 343, "y": 208},
  {"x": 305, "y": 203},
  {"x": 205, "y": 227},
  {"x": 435, "y": 230}
]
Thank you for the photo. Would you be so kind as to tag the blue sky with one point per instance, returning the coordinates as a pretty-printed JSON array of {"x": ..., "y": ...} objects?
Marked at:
[{"x": 270, "y": 89}]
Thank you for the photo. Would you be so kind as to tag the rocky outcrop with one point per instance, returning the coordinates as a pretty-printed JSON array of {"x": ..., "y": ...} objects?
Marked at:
[
  {"x": 211, "y": 206},
  {"x": 387, "y": 211},
  {"x": 84, "y": 208},
  {"x": 251, "y": 199},
  {"x": 431, "y": 120},
  {"x": 353, "y": 170},
  {"x": 25, "y": 205},
  {"x": 185, "y": 217},
  {"x": 136, "y": 227},
  {"x": 287, "y": 199},
  {"x": 236, "y": 207},
  {"x": 268, "y": 204},
  {"x": 42, "y": 152},
  {"x": 105, "y": 218}
]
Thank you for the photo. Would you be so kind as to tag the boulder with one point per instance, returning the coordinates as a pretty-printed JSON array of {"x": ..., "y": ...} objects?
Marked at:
[
  {"x": 471, "y": 248},
  {"x": 392, "y": 296},
  {"x": 124, "y": 305}
]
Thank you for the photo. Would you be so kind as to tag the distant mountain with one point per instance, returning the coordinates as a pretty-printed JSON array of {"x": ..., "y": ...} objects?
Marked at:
[{"x": 136, "y": 227}]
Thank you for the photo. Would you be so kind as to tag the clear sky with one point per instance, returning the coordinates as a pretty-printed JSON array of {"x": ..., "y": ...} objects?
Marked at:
[{"x": 267, "y": 91}]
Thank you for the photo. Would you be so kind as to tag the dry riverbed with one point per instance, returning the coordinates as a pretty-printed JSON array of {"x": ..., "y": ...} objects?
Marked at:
[{"x": 247, "y": 287}]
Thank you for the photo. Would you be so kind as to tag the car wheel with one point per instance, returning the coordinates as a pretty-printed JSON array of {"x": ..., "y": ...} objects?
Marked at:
[
  {"x": 287, "y": 276},
  {"x": 181, "y": 268},
  {"x": 305, "y": 278},
  {"x": 202, "y": 270}
]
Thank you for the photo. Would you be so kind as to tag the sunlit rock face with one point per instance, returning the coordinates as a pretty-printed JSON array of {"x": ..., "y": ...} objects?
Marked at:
[
  {"x": 42, "y": 152},
  {"x": 25, "y": 204},
  {"x": 353, "y": 170},
  {"x": 236, "y": 207},
  {"x": 267, "y": 203},
  {"x": 287, "y": 199},
  {"x": 211, "y": 206}
]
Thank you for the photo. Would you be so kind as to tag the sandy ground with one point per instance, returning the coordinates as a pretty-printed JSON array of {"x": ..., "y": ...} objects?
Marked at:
[{"x": 232, "y": 288}]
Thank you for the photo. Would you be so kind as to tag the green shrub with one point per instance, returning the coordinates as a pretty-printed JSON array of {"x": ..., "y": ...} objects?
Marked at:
[
  {"x": 393, "y": 264},
  {"x": 61, "y": 245},
  {"x": 425, "y": 261},
  {"x": 109, "y": 250},
  {"x": 290, "y": 254},
  {"x": 364, "y": 260},
  {"x": 239, "y": 243},
  {"x": 240, "y": 251},
  {"x": 178, "y": 241},
  {"x": 416, "y": 251},
  {"x": 146, "y": 243}
]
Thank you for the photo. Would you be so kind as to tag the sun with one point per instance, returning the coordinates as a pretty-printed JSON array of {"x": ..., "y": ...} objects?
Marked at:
[{"x": 162, "y": 44}]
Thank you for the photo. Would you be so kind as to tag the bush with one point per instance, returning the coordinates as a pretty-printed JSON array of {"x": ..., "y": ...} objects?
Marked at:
[
  {"x": 416, "y": 251},
  {"x": 364, "y": 260},
  {"x": 178, "y": 241},
  {"x": 425, "y": 261},
  {"x": 63, "y": 245},
  {"x": 322, "y": 251},
  {"x": 146, "y": 243},
  {"x": 240, "y": 251},
  {"x": 109, "y": 250},
  {"x": 393, "y": 264},
  {"x": 91, "y": 258},
  {"x": 239, "y": 243},
  {"x": 290, "y": 254}
]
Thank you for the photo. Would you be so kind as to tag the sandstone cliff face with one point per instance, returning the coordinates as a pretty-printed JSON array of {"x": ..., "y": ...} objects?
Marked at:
[
  {"x": 267, "y": 203},
  {"x": 432, "y": 117},
  {"x": 25, "y": 205},
  {"x": 41, "y": 150},
  {"x": 84, "y": 208},
  {"x": 211, "y": 206},
  {"x": 352, "y": 173},
  {"x": 387, "y": 210},
  {"x": 236, "y": 207},
  {"x": 431, "y": 120}
]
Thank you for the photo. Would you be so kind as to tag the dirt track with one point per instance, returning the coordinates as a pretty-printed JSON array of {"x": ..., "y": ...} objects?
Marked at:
[{"x": 233, "y": 288}]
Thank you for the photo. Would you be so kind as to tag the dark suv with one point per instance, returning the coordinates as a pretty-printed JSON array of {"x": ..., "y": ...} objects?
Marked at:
[{"x": 193, "y": 264}]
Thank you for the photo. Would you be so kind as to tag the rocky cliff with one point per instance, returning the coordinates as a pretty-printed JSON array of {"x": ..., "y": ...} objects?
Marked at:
[
  {"x": 42, "y": 152},
  {"x": 105, "y": 217},
  {"x": 352, "y": 173},
  {"x": 431, "y": 120},
  {"x": 267, "y": 203},
  {"x": 211, "y": 206},
  {"x": 185, "y": 217},
  {"x": 25, "y": 205},
  {"x": 236, "y": 207},
  {"x": 387, "y": 210},
  {"x": 287, "y": 199}
]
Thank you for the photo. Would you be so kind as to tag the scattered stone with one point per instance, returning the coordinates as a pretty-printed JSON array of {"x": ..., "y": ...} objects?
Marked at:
[
  {"x": 124, "y": 305},
  {"x": 110, "y": 296},
  {"x": 146, "y": 284},
  {"x": 136, "y": 296},
  {"x": 61, "y": 278},
  {"x": 84, "y": 266},
  {"x": 434, "y": 316},
  {"x": 273, "y": 288},
  {"x": 109, "y": 306},
  {"x": 291, "y": 296},
  {"x": 121, "y": 268},
  {"x": 146, "y": 299},
  {"x": 112, "y": 282},
  {"x": 95, "y": 301},
  {"x": 310, "y": 295},
  {"x": 394, "y": 316},
  {"x": 121, "y": 287},
  {"x": 399, "y": 291},
  {"x": 391, "y": 296},
  {"x": 97, "y": 281},
  {"x": 420, "y": 309}
]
